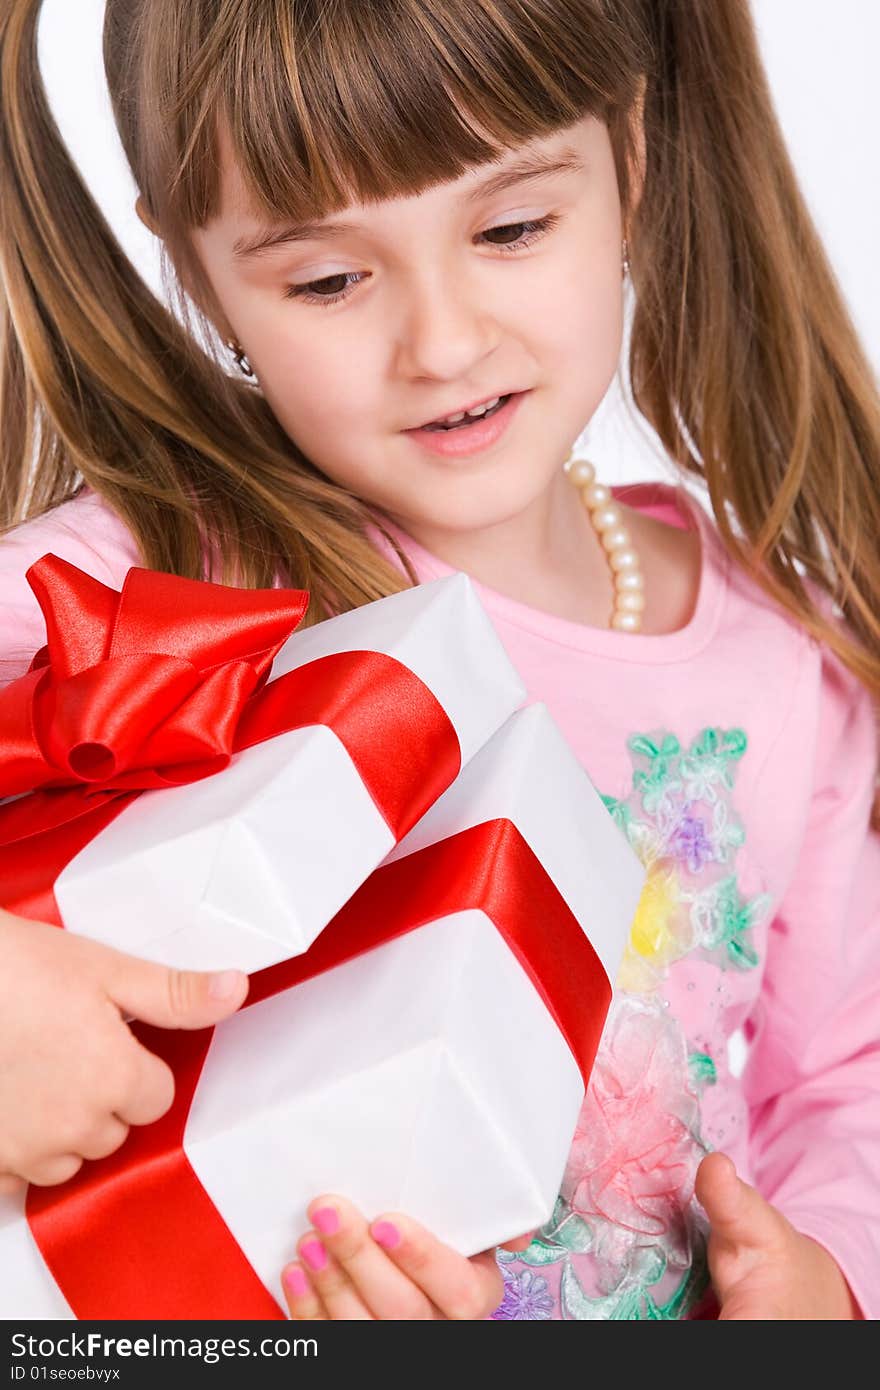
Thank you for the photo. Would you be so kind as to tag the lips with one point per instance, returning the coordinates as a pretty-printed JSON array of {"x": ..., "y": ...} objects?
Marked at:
[{"x": 473, "y": 437}]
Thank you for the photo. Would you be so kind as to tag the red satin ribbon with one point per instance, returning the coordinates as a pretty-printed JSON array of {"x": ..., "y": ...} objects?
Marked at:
[
  {"x": 160, "y": 685},
  {"x": 135, "y": 1235}
]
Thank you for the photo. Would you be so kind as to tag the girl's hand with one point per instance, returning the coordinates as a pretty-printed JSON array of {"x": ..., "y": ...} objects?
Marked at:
[
  {"x": 390, "y": 1269},
  {"x": 72, "y": 1076},
  {"x": 761, "y": 1267}
]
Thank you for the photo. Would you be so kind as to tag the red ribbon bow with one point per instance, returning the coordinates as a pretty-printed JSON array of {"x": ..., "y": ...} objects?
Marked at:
[{"x": 129, "y": 694}]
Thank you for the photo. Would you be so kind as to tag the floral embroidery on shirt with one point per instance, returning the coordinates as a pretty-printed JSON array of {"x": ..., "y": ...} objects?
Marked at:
[
  {"x": 680, "y": 822},
  {"x": 627, "y": 1189},
  {"x": 525, "y": 1297},
  {"x": 632, "y": 1164},
  {"x": 626, "y": 1240}
]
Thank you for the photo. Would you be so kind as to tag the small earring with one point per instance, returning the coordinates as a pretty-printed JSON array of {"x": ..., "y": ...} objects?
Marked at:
[
  {"x": 625, "y": 258},
  {"x": 240, "y": 359}
]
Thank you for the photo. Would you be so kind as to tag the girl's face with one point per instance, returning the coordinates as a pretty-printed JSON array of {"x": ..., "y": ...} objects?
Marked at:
[{"x": 396, "y": 314}]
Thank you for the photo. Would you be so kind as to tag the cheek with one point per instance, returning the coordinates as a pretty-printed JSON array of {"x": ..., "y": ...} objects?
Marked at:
[
  {"x": 316, "y": 390},
  {"x": 307, "y": 369},
  {"x": 586, "y": 326}
]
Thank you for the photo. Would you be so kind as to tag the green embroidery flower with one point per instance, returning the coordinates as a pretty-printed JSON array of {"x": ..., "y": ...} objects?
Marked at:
[
  {"x": 725, "y": 920},
  {"x": 707, "y": 763},
  {"x": 660, "y": 781}
]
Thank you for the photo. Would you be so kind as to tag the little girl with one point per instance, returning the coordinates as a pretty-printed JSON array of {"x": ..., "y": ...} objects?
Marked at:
[{"x": 413, "y": 223}]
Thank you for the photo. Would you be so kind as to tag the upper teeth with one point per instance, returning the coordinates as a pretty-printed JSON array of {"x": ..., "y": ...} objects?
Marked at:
[{"x": 474, "y": 410}]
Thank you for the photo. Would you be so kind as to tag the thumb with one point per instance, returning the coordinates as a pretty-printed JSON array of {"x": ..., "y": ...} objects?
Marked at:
[
  {"x": 737, "y": 1212},
  {"x": 171, "y": 998}
]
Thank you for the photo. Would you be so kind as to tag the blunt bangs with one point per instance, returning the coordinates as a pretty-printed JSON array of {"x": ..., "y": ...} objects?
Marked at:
[{"x": 357, "y": 101}]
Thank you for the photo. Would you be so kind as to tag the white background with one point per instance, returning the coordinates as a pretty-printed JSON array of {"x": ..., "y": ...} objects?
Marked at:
[{"x": 822, "y": 61}]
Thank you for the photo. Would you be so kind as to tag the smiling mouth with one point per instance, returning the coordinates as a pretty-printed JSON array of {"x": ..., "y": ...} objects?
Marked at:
[{"x": 470, "y": 419}]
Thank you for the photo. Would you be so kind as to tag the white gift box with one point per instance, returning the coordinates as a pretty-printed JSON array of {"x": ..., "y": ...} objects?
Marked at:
[
  {"x": 426, "y": 1076},
  {"x": 245, "y": 868}
]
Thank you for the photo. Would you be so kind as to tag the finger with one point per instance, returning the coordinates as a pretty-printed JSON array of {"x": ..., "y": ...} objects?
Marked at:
[
  {"x": 104, "y": 1139},
  {"x": 151, "y": 1091},
  {"x": 341, "y": 1299},
  {"x": 349, "y": 1270},
  {"x": 303, "y": 1303},
  {"x": 460, "y": 1289},
  {"x": 50, "y": 1171},
  {"x": 737, "y": 1212},
  {"x": 11, "y": 1184},
  {"x": 519, "y": 1243},
  {"x": 170, "y": 998}
]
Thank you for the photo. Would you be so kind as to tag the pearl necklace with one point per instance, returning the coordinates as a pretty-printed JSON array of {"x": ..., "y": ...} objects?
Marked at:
[{"x": 607, "y": 519}]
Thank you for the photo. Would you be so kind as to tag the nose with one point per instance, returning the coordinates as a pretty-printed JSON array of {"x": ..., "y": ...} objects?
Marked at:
[{"x": 445, "y": 329}]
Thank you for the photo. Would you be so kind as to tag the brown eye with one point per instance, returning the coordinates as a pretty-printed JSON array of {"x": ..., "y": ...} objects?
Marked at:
[
  {"x": 332, "y": 289},
  {"x": 505, "y": 232},
  {"x": 515, "y": 236},
  {"x": 331, "y": 284}
]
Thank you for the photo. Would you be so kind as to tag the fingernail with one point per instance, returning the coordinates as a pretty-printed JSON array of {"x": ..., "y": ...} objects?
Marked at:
[
  {"x": 327, "y": 1220},
  {"x": 314, "y": 1254},
  {"x": 385, "y": 1234},
  {"x": 225, "y": 984},
  {"x": 295, "y": 1281}
]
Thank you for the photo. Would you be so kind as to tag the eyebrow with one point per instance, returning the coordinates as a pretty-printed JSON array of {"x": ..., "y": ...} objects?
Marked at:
[{"x": 529, "y": 166}]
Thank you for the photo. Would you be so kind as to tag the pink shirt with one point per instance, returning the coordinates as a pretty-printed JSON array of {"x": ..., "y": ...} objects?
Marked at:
[{"x": 739, "y": 759}]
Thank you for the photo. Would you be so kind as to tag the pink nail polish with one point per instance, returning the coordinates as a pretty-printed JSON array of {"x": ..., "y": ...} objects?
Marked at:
[
  {"x": 314, "y": 1254},
  {"x": 326, "y": 1219},
  {"x": 385, "y": 1234},
  {"x": 296, "y": 1282}
]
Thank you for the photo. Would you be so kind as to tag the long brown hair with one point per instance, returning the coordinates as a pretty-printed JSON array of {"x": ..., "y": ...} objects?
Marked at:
[{"x": 743, "y": 357}]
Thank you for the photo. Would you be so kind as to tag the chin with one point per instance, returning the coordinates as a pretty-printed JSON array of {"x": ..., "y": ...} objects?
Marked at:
[
  {"x": 467, "y": 496},
  {"x": 460, "y": 517}
]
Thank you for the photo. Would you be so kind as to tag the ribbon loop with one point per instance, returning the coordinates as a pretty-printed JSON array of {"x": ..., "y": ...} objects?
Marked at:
[{"x": 138, "y": 689}]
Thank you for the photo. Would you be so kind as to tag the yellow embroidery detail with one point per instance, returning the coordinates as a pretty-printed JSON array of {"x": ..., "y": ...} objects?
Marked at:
[{"x": 659, "y": 934}]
